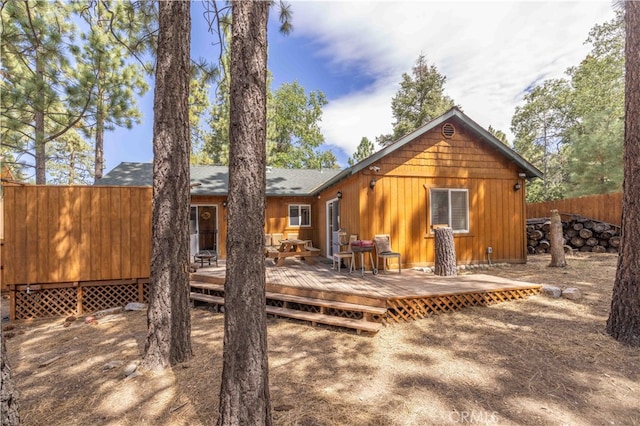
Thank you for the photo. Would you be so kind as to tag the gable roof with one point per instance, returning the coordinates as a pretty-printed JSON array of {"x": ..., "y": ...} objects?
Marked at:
[
  {"x": 214, "y": 180},
  {"x": 527, "y": 168}
]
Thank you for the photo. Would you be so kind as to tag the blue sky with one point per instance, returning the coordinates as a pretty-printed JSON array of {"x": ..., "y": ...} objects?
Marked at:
[{"x": 355, "y": 52}]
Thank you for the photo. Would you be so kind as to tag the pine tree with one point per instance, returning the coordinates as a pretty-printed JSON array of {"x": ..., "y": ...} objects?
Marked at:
[
  {"x": 539, "y": 127},
  {"x": 244, "y": 394},
  {"x": 596, "y": 135},
  {"x": 116, "y": 31},
  {"x": 419, "y": 100},
  {"x": 44, "y": 96},
  {"x": 365, "y": 149},
  {"x": 624, "y": 318},
  {"x": 169, "y": 318}
]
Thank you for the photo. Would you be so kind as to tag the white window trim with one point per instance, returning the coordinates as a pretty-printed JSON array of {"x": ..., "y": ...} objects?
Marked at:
[
  {"x": 299, "y": 206},
  {"x": 449, "y": 191}
]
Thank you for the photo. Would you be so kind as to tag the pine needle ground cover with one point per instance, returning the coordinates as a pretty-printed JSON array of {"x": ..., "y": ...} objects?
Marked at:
[{"x": 533, "y": 361}]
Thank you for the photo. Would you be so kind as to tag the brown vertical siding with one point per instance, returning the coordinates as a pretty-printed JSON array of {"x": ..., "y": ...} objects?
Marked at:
[
  {"x": 603, "y": 207},
  {"x": 277, "y": 218},
  {"x": 72, "y": 233},
  {"x": 399, "y": 203}
]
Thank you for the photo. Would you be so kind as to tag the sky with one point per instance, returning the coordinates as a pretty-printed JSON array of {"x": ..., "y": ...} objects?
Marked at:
[{"x": 355, "y": 52}]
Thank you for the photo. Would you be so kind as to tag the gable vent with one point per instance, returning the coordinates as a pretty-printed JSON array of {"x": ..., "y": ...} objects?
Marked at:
[{"x": 448, "y": 130}]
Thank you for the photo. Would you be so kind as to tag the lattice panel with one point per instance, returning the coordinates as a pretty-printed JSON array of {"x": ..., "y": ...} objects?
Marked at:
[
  {"x": 51, "y": 302},
  {"x": 145, "y": 292},
  {"x": 96, "y": 298},
  {"x": 274, "y": 302},
  {"x": 344, "y": 314},
  {"x": 413, "y": 309},
  {"x": 303, "y": 307}
]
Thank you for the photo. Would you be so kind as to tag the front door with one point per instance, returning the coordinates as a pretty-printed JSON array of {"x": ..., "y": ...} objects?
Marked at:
[
  {"x": 333, "y": 225},
  {"x": 203, "y": 229}
]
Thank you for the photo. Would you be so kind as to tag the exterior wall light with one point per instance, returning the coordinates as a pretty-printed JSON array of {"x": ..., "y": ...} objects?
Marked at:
[
  {"x": 517, "y": 186},
  {"x": 339, "y": 195},
  {"x": 372, "y": 183}
]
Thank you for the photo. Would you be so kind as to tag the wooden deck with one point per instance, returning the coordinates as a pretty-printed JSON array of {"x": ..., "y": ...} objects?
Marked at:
[{"x": 317, "y": 289}]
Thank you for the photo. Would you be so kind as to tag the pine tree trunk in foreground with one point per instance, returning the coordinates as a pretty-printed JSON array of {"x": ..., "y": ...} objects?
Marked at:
[
  {"x": 445, "y": 253},
  {"x": 557, "y": 241},
  {"x": 169, "y": 316},
  {"x": 624, "y": 319},
  {"x": 8, "y": 401},
  {"x": 244, "y": 394}
]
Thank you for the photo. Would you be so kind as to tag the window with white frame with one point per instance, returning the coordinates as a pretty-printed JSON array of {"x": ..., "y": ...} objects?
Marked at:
[
  {"x": 450, "y": 207},
  {"x": 299, "y": 215}
]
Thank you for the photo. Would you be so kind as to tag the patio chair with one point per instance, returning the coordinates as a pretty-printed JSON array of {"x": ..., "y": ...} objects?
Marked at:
[
  {"x": 339, "y": 256},
  {"x": 382, "y": 242}
]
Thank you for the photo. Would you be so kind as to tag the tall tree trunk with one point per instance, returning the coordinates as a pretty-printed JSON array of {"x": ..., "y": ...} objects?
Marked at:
[
  {"x": 168, "y": 318},
  {"x": 445, "y": 253},
  {"x": 72, "y": 166},
  {"x": 99, "y": 148},
  {"x": 8, "y": 401},
  {"x": 244, "y": 394},
  {"x": 40, "y": 150},
  {"x": 624, "y": 318},
  {"x": 557, "y": 241}
]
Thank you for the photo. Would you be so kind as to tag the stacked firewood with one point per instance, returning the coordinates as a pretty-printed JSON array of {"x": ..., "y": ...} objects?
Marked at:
[{"x": 580, "y": 234}]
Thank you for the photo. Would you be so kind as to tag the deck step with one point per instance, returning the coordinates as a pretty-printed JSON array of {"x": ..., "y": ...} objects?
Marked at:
[
  {"x": 217, "y": 300},
  {"x": 326, "y": 303},
  {"x": 313, "y": 317},
  {"x": 302, "y": 300},
  {"x": 207, "y": 286}
]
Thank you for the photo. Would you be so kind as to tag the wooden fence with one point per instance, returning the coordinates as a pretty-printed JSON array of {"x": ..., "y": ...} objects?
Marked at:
[
  {"x": 66, "y": 238},
  {"x": 603, "y": 207}
]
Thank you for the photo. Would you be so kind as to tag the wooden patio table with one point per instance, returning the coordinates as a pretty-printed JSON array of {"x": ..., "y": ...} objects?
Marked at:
[{"x": 292, "y": 248}]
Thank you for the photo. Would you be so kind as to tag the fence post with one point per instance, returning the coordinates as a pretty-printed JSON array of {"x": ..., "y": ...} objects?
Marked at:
[
  {"x": 12, "y": 302},
  {"x": 79, "y": 297},
  {"x": 140, "y": 290}
]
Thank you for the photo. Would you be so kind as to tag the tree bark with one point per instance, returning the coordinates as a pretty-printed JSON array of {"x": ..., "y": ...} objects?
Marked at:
[
  {"x": 445, "y": 253},
  {"x": 99, "y": 148},
  {"x": 624, "y": 319},
  {"x": 39, "y": 136},
  {"x": 8, "y": 395},
  {"x": 244, "y": 394},
  {"x": 169, "y": 317},
  {"x": 557, "y": 241}
]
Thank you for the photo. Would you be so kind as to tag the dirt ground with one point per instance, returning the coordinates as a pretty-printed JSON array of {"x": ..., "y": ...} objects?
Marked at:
[{"x": 538, "y": 361}]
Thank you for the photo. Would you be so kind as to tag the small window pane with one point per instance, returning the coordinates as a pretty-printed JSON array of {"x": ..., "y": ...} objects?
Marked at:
[
  {"x": 294, "y": 217},
  {"x": 305, "y": 215},
  {"x": 439, "y": 207},
  {"x": 459, "y": 210}
]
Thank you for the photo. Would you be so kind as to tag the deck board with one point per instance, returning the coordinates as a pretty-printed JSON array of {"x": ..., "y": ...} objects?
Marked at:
[
  {"x": 376, "y": 299},
  {"x": 320, "y": 277}
]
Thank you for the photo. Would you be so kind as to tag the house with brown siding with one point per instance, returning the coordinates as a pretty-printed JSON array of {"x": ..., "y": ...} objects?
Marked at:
[{"x": 450, "y": 172}]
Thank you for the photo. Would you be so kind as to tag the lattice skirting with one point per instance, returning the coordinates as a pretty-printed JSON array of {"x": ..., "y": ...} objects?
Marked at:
[
  {"x": 63, "y": 299},
  {"x": 412, "y": 309}
]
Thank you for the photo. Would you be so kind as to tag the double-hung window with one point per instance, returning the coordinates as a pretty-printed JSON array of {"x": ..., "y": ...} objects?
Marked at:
[
  {"x": 450, "y": 207},
  {"x": 299, "y": 215}
]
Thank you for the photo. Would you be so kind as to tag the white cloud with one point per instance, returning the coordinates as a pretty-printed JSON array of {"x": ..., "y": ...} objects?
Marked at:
[{"x": 490, "y": 53}]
